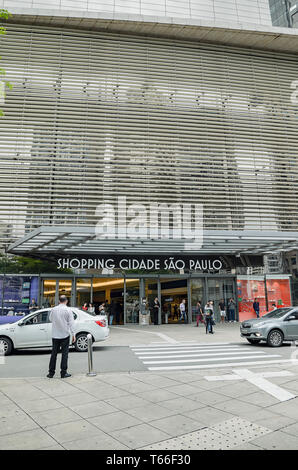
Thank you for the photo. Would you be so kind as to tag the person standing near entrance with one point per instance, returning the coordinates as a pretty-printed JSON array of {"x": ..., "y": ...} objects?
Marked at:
[
  {"x": 91, "y": 309},
  {"x": 222, "y": 310},
  {"x": 156, "y": 307},
  {"x": 199, "y": 313},
  {"x": 62, "y": 327},
  {"x": 102, "y": 309},
  {"x": 256, "y": 307},
  {"x": 182, "y": 308},
  {"x": 232, "y": 310}
]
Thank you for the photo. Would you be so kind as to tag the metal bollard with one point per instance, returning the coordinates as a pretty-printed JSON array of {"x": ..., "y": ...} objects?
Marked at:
[{"x": 91, "y": 373}]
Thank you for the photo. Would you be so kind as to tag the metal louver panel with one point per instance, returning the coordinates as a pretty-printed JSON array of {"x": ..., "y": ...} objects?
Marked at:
[{"x": 95, "y": 116}]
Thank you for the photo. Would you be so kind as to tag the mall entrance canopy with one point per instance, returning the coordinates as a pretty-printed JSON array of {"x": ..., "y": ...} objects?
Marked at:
[{"x": 51, "y": 241}]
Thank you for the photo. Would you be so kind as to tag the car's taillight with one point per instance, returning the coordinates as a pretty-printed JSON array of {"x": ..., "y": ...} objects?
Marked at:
[{"x": 101, "y": 322}]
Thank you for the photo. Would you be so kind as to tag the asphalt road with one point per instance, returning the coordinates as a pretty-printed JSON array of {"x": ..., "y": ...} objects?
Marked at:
[{"x": 34, "y": 363}]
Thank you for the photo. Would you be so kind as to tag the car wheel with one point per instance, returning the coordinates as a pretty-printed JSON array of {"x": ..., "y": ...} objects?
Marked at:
[
  {"x": 253, "y": 341},
  {"x": 6, "y": 346},
  {"x": 275, "y": 338},
  {"x": 81, "y": 342}
]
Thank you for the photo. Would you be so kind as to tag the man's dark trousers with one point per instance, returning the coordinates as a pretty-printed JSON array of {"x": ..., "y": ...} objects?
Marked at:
[{"x": 58, "y": 344}]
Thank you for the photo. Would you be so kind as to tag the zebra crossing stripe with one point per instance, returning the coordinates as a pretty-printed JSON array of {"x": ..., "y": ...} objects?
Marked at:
[
  {"x": 181, "y": 345},
  {"x": 186, "y": 351},
  {"x": 209, "y": 359},
  {"x": 203, "y": 355},
  {"x": 193, "y": 348},
  {"x": 222, "y": 366}
]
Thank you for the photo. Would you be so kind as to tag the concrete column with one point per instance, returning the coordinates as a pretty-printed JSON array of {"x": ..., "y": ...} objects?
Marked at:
[
  {"x": 57, "y": 292},
  {"x": 73, "y": 292},
  {"x": 159, "y": 299},
  {"x": 189, "y": 304},
  {"x": 124, "y": 301}
]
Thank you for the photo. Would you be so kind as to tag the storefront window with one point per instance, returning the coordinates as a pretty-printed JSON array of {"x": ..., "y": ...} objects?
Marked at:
[
  {"x": 109, "y": 291},
  {"x": 48, "y": 293},
  {"x": 197, "y": 295},
  {"x": 64, "y": 288},
  {"x": 218, "y": 290},
  {"x": 278, "y": 292},
  {"x": 249, "y": 290},
  {"x": 18, "y": 294},
  {"x": 83, "y": 292}
]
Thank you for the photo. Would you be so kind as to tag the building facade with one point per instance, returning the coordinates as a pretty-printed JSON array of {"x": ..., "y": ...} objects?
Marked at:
[
  {"x": 236, "y": 11},
  {"x": 151, "y": 102},
  {"x": 284, "y": 13}
]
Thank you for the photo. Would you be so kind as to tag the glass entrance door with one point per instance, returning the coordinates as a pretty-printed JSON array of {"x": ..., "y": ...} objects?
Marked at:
[
  {"x": 152, "y": 291},
  {"x": 173, "y": 291},
  {"x": 108, "y": 293},
  {"x": 219, "y": 289},
  {"x": 197, "y": 295},
  {"x": 132, "y": 303}
]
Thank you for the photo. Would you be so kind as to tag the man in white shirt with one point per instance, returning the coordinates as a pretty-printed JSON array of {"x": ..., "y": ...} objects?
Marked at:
[{"x": 62, "y": 320}]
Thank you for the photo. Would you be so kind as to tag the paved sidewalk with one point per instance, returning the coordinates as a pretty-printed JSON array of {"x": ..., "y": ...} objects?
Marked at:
[{"x": 168, "y": 410}]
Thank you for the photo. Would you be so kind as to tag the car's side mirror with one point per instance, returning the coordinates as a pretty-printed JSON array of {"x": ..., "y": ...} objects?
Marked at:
[
  {"x": 291, "y": 317},
  {"x": 21, "y": 323}
]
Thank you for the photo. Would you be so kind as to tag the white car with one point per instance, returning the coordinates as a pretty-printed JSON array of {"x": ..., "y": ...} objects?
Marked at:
[{"x": 35, "y": 331}]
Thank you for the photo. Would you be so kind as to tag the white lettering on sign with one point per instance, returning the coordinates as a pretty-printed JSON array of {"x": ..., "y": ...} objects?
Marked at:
[{"x": 148, "y": 264}]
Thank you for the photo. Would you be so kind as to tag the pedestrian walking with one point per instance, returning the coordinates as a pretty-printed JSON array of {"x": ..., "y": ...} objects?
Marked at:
[
  {"x": 182, "y": 309},
  {"x": 62, "y": 320},
  {"x": 199, "y": 313},
  {"x": 232, "y": 310},
  {"x": 256, "y": 307},
  {"x": 209, "y": 317},
  {"x": 222, "y": 310}
]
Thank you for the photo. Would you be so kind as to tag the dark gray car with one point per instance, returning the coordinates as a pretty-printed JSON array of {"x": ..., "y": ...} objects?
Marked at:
[{"x": 275, "y": 327}]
